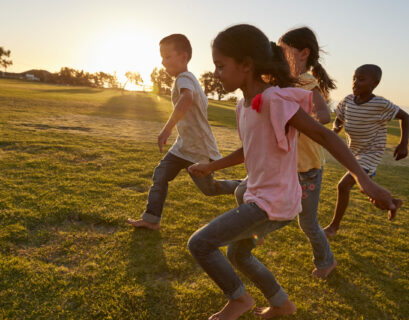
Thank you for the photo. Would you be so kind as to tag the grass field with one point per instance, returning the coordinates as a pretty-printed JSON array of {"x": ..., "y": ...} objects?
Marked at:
[{"x": 76, "y": 162}]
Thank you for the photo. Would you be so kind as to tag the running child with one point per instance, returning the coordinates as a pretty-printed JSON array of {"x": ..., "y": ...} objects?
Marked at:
[
  {"x": 302, "y": 53},
  {"x": 267, "y": 119},
  {"x": 365, "y": 116},
  {"x": 195, "y": 141}
]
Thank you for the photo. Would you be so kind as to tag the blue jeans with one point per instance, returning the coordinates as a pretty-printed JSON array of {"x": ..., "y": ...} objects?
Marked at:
[
  {"x": 166, "y": 171},
  {"x": 311, "y": 187},
  {"x": 236, "y": 228},
  {"x": 311, "y": 184}
]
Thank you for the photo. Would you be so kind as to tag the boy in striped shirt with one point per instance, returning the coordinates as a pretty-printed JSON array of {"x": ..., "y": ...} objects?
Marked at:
[{"x": 364, "y": 117}]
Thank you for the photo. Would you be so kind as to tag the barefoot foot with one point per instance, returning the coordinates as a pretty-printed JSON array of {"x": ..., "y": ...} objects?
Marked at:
[
  {"x": 324, "y": 272},
  {"x": 143, "y": 224},
  {"x": 286, "y": 309},
  {"x": 330, "y": 231},
  {"x": 234, "y": 308},
  {"x": 392, "y": 213}
]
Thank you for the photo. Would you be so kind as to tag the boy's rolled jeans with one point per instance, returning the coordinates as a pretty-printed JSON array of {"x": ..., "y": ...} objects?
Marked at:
[{"x": 166, "y": 171}]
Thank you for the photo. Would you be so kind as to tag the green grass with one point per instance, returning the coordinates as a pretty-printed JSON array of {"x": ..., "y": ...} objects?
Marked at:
[{"x": 67, "y": 253}]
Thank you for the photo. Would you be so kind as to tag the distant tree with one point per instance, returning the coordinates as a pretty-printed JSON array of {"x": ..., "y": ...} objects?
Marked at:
[
  {"x": 3, "y": 61},
  {"x": 162, "y": 82},
  {"x": 211, "y": 85},
  {"x": 232, "y": 99},
  {"x": 207, "y": 81},
  {"x": 133, "y": 77},
  {"x": 113, "y": 81},
  {"x": 66, "y": 76},
  {"x": 102, "y": 79}
]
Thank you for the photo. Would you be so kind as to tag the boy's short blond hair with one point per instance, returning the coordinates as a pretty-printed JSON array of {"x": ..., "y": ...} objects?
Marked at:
[{"x": 180, "y": 42}]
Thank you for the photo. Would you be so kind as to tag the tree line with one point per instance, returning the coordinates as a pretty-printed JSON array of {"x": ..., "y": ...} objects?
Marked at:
[{"x": 162, "y": 82}]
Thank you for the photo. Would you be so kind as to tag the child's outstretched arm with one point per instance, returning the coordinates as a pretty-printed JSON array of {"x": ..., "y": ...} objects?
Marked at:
[
  {"x": 401, "y": 150},
  {"x": 201, "y": 169},
  {"x": 183, "y": 104},
  {"x": 320, "y": 110},
  {"x": 330, "y": 141}
]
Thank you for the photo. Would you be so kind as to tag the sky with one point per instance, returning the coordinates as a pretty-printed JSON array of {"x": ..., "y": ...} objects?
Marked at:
[{"x": 123, "y": 35}]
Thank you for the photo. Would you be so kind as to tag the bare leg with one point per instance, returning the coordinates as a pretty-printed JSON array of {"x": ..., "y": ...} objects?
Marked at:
[
  {"x": 286, "y": 309},
  {"x": 344, "y": 188},
  {"x": 234, "y": 308},
  {"x": 143, "y": 224}
]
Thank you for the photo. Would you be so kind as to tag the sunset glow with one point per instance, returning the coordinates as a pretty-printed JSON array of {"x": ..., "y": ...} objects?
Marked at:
[
  {"x": 124, "y": 35},
  {"x": 121, "y": 51}
]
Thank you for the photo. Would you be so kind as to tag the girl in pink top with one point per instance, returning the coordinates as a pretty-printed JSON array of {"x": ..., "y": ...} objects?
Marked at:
[{"x": 267, "y": 119}]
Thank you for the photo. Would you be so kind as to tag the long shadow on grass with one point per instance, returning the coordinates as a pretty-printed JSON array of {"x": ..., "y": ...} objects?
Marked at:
[
  {"x": 132, "y": 106},
  {"x": 384, "y": 279},
  {"x": 362, "y": 302},
  {"x": 74, "y": 91},
  {"x": 148, "y": 264}
]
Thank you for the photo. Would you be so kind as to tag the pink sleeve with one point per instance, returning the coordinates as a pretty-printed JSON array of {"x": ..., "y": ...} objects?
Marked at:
[
  {"x": 283, "y": 105},
  {"x": 300, "y": 96},
  {"x": 280, "y": 112}
]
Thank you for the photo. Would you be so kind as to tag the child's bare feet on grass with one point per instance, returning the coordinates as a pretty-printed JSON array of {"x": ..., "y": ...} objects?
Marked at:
[
  {"x": 330, "y": 231},
  {"x": 324, "y": 272},
  {"x": 143, "y": 224},
  {"x": 392, "y": 213},
  {"x": 234, "y": 308},
  {"x": 286, "y": 309}
]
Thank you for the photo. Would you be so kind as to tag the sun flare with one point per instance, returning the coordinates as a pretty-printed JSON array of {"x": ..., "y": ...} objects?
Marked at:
[{"x": 120, "y": 51}]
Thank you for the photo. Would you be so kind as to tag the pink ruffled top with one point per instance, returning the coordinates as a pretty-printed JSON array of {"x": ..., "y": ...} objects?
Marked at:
[{"x": 270, "y": 151}]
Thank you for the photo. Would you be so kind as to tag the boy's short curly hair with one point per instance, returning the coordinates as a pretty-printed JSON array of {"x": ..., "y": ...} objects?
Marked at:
[
  {"x": 180, "y": 42},
  {"x": 373, "y": 70}
]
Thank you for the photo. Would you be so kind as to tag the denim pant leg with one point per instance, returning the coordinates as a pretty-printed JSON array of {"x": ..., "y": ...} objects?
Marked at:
[
  {"x": 311, "y": 185},
  {"x": 211, "y": 187},
  {"x": 166, "y": 171},
  {"x": 239, "y": 192},
  {"x": 239, "y": 254},
  {"x": 235, "y": 225}
]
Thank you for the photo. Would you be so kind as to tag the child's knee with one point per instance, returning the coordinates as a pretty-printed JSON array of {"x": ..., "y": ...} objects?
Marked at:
[
  {"x": 197, "y": 245},
  {"x": 160, "y": 176},
  {"x": 345, "y": 185},
  {"x": 239, "y": 193}
]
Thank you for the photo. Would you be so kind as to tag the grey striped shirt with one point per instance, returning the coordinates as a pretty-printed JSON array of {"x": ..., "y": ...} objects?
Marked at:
[{"x": 365, "y": 127}]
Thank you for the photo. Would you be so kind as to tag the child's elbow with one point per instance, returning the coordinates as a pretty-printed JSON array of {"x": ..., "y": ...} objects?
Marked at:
[
  {"x": 324, "y": 118},
  {"x": 402, "y": 115}
]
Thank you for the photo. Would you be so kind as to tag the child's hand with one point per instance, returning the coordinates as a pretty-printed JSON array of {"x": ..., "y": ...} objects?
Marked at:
[
  {"x": 379, "y": 196},
  {"x": 337, "y": 125},
  {"x": 199, "y": 170},
  {"x": 336, "y": 129},
  {"x": 401, "y": 151},
  {"x": 163, "y": 137}
]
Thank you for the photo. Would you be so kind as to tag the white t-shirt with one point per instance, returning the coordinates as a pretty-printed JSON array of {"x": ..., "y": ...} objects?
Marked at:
[
  {"x": 365, "y": 128},
  {"x": 195, "y": 141}
]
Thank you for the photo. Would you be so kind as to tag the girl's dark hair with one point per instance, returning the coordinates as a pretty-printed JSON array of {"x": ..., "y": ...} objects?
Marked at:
[
  {"x": 302, "y": 38},
  {"x": 244, "y": 41}
]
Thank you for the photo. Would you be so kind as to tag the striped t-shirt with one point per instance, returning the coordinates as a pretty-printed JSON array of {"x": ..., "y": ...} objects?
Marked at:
[{"x": 365, "y": 127}]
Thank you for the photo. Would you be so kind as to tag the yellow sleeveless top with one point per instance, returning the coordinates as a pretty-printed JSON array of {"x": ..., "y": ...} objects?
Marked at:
[{"x": 310, "y": 153}]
